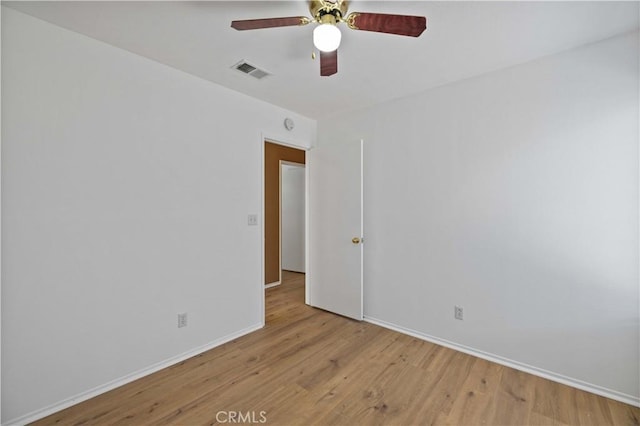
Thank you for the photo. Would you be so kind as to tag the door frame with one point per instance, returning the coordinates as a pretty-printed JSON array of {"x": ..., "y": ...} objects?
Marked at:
[{"x": 295, "y": 145}]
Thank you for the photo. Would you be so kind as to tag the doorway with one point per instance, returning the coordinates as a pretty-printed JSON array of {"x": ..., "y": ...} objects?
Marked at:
[
  {"x": 276, "y": 156},
  {"x": 334, "y": 269}
]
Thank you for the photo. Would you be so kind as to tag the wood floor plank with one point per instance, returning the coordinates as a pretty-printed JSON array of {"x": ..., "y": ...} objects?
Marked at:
[
  {"x": 445, "y": 386},
  {"x": 593, "y": 410},
  {"x": 310, "y": 367},
  {"x": 475, "y": 405},
  {"x": 354, "y": 384},
  {"x": 514, "y": 398},
  {"x": 623, "y": 414}
]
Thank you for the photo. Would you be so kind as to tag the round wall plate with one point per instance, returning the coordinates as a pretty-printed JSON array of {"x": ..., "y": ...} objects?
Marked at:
[{"x": 289, "y": 124}]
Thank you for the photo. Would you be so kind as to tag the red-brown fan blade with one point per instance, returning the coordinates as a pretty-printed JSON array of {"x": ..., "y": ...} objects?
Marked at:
[
  {"x": 391, "y": 24},
  {"x": 328, "y": 63},
  {"x": 254, "y": 24}
]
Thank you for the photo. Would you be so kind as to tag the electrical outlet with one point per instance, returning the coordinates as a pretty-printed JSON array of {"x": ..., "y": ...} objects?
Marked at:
[
  {"x": 252, "y": 219},
  {"x": 182, "y": 320},
  {"x": 458, "y": 312}
]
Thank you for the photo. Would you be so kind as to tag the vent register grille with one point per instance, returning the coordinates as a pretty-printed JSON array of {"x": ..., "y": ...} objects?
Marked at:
[{"x": 246, "y": 68}]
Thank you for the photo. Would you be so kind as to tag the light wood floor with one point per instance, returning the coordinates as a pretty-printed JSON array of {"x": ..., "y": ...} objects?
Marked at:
[{"x": 308, "y": 367}]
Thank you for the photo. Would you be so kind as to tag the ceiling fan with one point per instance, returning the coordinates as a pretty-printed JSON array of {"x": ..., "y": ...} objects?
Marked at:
[{"x": 326, "y": 36}]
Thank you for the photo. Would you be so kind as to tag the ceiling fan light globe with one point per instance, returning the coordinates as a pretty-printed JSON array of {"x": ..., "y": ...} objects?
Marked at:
[{"x": 326, "y": 37}]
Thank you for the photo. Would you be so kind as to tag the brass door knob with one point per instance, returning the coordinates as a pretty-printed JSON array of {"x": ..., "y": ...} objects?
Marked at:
[{"x": 355, "y": 240}]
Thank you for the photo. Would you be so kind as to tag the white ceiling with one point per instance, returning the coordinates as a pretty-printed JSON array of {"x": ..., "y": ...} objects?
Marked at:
[{"x": 462, "y": 39}]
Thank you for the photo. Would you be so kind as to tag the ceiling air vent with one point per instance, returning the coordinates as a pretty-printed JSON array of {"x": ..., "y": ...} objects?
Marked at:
[{"x": 246, "y": 68}]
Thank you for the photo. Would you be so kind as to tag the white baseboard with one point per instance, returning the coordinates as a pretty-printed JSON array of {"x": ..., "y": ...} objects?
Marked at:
[
  {"x": 66, "y": 403},
  {"x": 579, "y": 384},
  {"x": 273, "y": 284}
]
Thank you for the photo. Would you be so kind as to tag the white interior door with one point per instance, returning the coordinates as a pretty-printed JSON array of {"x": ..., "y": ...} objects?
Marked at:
[
  {"x": 292, "y": 217},
  {"x": 334, "y": 274}
]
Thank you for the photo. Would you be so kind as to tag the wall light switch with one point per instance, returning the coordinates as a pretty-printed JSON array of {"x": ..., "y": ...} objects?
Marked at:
[{"x": 252, "y": 220}]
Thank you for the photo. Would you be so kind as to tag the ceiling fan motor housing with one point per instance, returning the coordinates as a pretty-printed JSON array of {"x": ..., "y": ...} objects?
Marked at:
[{"x": 322, "y": 8}]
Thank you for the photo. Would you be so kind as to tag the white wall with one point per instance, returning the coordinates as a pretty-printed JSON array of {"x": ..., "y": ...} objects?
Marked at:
[
  {"x": 293, "y": 214},
  {"x": 118, "y": 212},
  {"x": 515, "y": 195}
]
